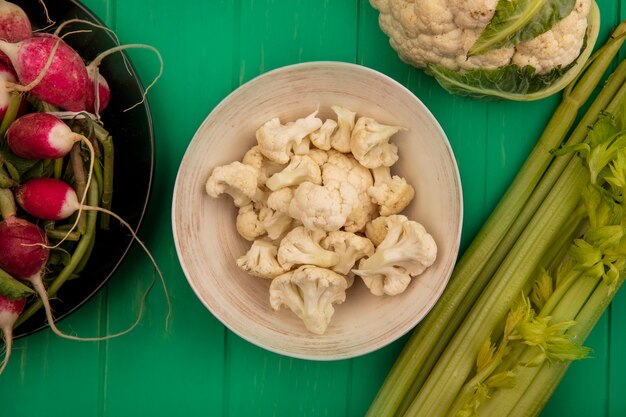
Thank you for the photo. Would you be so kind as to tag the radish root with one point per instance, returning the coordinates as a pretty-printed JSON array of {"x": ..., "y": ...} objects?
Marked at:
[
  {"x": 8, "y": 345},
  {"x": 143, "y": 246},
  {"x": 98, "y": 60},
  {"x": 37, "y": 284}
]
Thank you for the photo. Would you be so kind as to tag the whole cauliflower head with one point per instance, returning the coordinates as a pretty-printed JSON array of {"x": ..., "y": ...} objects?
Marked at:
[
  {"x": 301, "y": 246},
  {"x": 406, "y": 251},
  {"x": 460, "y": 36},
  {"x": 235, "y": 179},
  {"x": 323, "y": 207},
  {"x": 310, "y": 292},
  {"x": 276, "y": 141},
  {"x": 260, "y": 260}
]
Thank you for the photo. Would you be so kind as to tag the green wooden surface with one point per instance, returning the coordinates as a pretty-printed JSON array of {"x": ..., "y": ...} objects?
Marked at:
[{"x": 198, "y": 367}]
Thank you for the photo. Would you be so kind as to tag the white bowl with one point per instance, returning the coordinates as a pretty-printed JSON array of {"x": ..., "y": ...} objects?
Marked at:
[{"x": 204, "y": 228}]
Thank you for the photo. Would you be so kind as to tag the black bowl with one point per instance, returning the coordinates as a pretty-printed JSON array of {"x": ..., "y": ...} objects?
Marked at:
[{"x": 134, "y": 156}]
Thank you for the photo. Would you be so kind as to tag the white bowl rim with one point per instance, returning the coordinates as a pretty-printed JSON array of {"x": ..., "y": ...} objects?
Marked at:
[{"x": 456, "y": 179}]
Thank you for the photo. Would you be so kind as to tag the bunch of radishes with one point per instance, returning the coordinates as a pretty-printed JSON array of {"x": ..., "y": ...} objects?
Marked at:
[{"x": 47, "y": 164}]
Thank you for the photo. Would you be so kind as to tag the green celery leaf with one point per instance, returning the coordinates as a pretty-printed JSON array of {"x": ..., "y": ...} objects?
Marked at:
[{"x": 517, "y": 21}]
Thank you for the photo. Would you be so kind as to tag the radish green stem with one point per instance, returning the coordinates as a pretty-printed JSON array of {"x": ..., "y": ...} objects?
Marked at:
[
  {"x": 83, "y": 262},
  {"x": 5, "y": 180},
  {"x": 76, "y": 159},
  {"x": 107, "y": 182},
  {"x": 7, "y": 203},
  {"x": 58, "y": 168},
  {"x": 11, "y": 113},
  {"x": 60, "y": 234}
]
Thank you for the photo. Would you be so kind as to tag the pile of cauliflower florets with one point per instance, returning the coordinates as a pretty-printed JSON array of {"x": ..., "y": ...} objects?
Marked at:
[{"x": 316, "y": 198}]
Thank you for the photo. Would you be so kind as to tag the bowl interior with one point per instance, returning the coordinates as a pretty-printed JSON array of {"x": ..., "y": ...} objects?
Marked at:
[
  {"x": 134, "y": 156},
  {"x": 204, "y": 228}
]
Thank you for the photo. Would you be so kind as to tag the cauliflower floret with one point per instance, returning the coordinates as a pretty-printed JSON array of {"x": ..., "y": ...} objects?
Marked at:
[
  {"x": 349, "y": 247},
  {"x": 248, "y": 223},
  {"x": 260, "y": 260},
  {"x": 319, "y": 156},
  {"x": 280, "y": 199},
  {"x": 344, "y": 168},
  {"x": 340, "y": 140},
  {"x": 275, "y": 222},
  {"x": 323, "y": 207},
  {"x": 558, "y": 46},
  {"x": 376, "y": 230},
  {"x": 276, "y": 141},
  {"x": 392, "y": 194},
  {"x": 235, "y": 179},
  {"x": 441, "y": 32},
  {"x": 303, "y": 147},
  {"x": 301, "y": 168},
  {"x": 370, "y": 143},
  {"x": 301, "y": 246},
  {"x": 321, "y": 138},
  {"x": 310, "y": 293},
  {"x": 266, "y": 167},
  {"x": 406, "y": 251}
]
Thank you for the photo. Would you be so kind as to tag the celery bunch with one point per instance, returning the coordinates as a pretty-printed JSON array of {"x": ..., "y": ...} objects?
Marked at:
[{"x": 536, "y": 278}]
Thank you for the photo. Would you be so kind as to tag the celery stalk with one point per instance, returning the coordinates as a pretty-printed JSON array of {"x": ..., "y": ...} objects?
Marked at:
[
  {"x": 533, "y": 400},
  {"x": 457, "y": 361},
  {"x": 492, "y": 243}
]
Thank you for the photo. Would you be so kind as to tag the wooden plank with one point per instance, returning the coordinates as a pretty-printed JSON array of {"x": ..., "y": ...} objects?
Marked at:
[
  {"x": 273, "y": 34},
  {"x": 166, "y": 366},
  {"x": 261, "y": 383},
  {"x": 282, "y": 32},
  {"x": 65, "y": 372}
]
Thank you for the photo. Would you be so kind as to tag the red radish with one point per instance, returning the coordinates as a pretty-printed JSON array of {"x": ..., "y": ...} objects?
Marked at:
[
  {"x": 9, "y": 312},
  {"x": 41, "y": 136},
  {"x": 47, "y": 198},
  {"x": 7, "y": 77},
  {"x": 52, "y": 199},
  {"x": 44, "y": 136},
  {"x": 14, "y": 24},
  {"x": 98, "y": 91},
  {"x": 23, "y": 253},
  {"x": 50, "y": 69}
]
